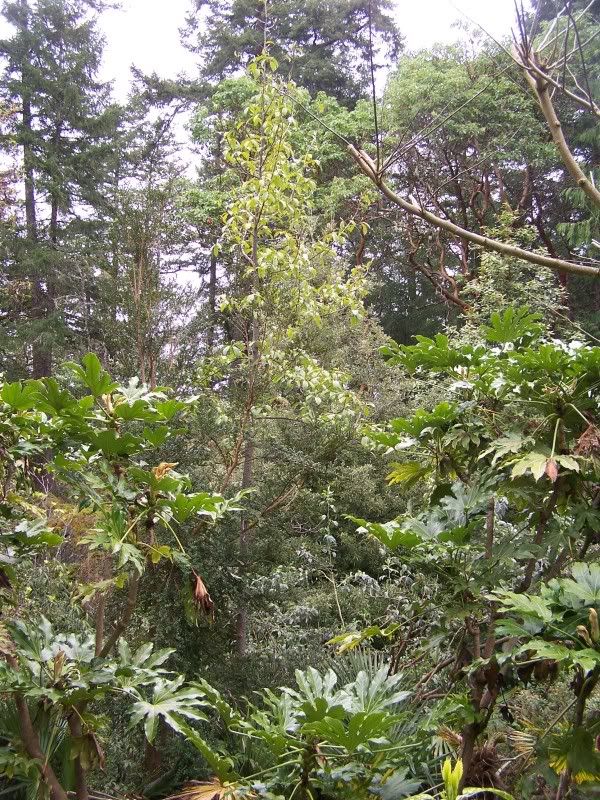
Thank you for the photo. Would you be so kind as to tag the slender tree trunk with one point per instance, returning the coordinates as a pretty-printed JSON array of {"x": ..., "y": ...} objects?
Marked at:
[
  {"x": 247, "y": 481},
  {"x": 248, "y": 468},
  {"x": 212, "y": 302},
  {"x": 41, "y": 358},
  {"x": 81, "y": 786}
]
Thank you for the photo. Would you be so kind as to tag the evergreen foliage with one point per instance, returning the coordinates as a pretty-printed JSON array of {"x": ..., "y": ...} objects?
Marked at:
[{"x": 355, "y": 550}]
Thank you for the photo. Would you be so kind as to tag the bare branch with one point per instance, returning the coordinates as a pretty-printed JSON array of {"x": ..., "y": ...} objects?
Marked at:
[
  {"x": 539, "y": 86},
  {"x": 368, "y": 167}
]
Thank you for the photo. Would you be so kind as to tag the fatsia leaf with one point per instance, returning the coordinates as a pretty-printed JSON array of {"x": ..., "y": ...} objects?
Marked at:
[
  {"x": 52, "y": 399},
  {"x": 575, "y": 749},
  {"x": 396, "y": 786},
  {"x": 525, "y": 605},
  {"x": 139, "y": 410},
  {"x": 585, "y": 657},
  {"x": 376, "y": 692},
  {"x": 391, "y": 534},
  {"x": 169, "y": 698},
  {"x": 568, "y": 462},
  {"x": 512, "y": 325},
  {"x": 408, "y": 473},
  {"x": 112, "y": 444},
  {"x": 534, "y": 462},
  {"x": 511, "y": 443},
  {"x": 20, "y": 396},
  {"x": 93, "y": 375},
  {"x": 353, "y": 639},
  {"x": 363, "y": 728},
  {"x": 168, "y": 408},
  {"x": 585, "y": 583}
]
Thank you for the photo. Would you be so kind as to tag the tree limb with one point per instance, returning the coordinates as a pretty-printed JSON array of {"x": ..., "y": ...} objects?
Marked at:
[
  {"x": 123, "y": 622},
  {"x": 539, "y": 86},
  {"x": 368, "y": 167}
]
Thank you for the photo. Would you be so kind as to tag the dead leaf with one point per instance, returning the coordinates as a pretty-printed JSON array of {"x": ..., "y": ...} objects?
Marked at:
[
  {"x": 211, "y": 790},
  {"x": 59, "y": 662},
  {"x": 163, "y": 468},
  {"x": 202, "y": 598},
  {"x": 4, "y": 580},
  {"x": 7, "y": 647},
  {"x": 589, "y": 442},
  {"x": 551, "y": 469}
]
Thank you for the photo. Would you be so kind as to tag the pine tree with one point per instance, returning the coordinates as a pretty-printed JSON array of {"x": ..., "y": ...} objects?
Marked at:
[
  {"x": 61, "y": 130},
  {"x": 324, "y": 46}
]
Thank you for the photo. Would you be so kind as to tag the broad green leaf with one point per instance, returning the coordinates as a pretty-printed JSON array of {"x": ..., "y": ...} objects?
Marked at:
[
  {"x": 20, "y": 396},
  {"x": 93, "y": 375},
  {"x": 53, "y": 399},
  {"x": 574, "y": 749},
  {"x": 391, "y": 534},
  {"x": 408, "y": 473},
  {"x": 585, "y": 583},
  {"x": 524, "y": 605},
  {"x": 585, "y": 657},
  {"x": 512, "y": 324},
  {"x": 533, "y": 462}
]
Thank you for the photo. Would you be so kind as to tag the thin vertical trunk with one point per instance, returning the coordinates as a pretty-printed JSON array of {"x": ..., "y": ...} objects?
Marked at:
[
  {"x": 76, "y": 729},
  {"x": 41, "y": 359},
  {"x": 241, "y": 631},
  {"x": 248, "y": 468},
  {"x": 212, "y": 302}
]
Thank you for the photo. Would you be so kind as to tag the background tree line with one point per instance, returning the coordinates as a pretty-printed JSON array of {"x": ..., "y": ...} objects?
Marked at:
[{"x": 433, "y": 512}]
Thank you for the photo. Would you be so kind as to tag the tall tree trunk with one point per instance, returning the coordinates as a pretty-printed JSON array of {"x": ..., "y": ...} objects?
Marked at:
[
  {"x": 248, "y": 468},
  {"x": 41, "y": 358},
  {"x": 241, "y": 628},
  {"x": 212, "y": 302}
]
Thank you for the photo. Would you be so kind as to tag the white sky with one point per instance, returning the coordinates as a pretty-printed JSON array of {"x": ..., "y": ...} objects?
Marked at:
[{"x": 146, "y": 32}]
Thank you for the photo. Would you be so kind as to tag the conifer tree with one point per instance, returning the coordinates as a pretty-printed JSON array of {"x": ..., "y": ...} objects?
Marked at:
[
  {"x": 324, "y": 46},
  {"x": 61, "y": 129}
]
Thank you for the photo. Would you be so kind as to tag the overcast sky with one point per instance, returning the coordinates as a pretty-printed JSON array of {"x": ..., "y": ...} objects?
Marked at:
[{"x": 146, "y": 32}]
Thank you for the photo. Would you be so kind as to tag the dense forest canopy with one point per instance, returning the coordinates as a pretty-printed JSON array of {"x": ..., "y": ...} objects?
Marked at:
[{"x": 300, "y": 417}]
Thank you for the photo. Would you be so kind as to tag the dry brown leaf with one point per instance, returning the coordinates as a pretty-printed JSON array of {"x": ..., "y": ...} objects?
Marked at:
[
  {"x": 210, "y": 790},
  {"x": 589, "y": 442},
  {"x": 449, "y": 736},
  {"x": 202, "y": 598},
  {"x": 163, "y": 468},
  {"x": 551, "y": 469}
]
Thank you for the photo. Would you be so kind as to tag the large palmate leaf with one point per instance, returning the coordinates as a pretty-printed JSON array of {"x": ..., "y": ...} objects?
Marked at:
[
  {"x": 362, "y": 730},
  {"x": 169, "y": 699},
  {"x": 407, "y": 473},
  {"x": 511, "y": 325},
  {"x": 353, "y": 639},
  {"x": 575, "y": 749},
  {"x": 93, "y": 375},
  {"x": 376, "y": 692},
  {"x": 317, "y": 696},
  {"x": 142, "y": 666},
  {"x": 391, "y": 534},
  {"x": 20, "y": 396},
  {"x": 586, "y": 657},
  {"x": 585, "y": 583},
  {"x": 524, "y": 605}
]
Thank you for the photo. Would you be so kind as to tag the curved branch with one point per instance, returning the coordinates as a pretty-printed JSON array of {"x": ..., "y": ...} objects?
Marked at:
[
  {"x": 581, "y": 100},
  {"x": 539, "y": 87},
  {"x": 118, "y": 630},
  {"x": 368, "y": 167}
]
